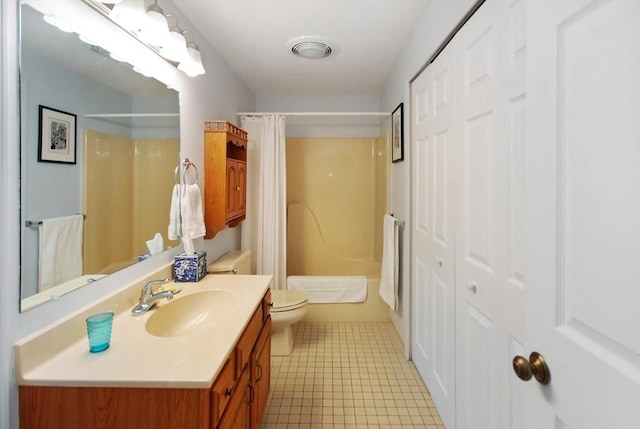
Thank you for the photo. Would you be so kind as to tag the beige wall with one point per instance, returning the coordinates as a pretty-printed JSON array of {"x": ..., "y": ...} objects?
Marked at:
[
  {"x": 337, "y": 196},
  {"x": 121, "y": 216}
]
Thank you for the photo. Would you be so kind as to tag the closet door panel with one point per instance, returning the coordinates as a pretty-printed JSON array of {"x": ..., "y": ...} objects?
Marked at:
[
  {"x": 479, "y": 209},
  {"x": 481, "y": 222},
  {"x": 469, "y": 218},
  {"x": 513, "y": 49},
  {"x": 480, "y": 373},
  {"x": 433, "y": 235}
]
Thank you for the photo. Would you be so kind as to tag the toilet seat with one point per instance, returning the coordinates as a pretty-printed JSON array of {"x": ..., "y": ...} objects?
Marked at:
[{"x": 287, "y": 300}]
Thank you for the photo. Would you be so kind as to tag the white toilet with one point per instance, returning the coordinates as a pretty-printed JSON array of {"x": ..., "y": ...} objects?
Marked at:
[
  {"x": 288, "y": 306},
  {"x": 234, "y": 262}
]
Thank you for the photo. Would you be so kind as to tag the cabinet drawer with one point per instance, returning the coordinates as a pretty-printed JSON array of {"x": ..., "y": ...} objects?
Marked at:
[
  {"x": 238, "y": 412},
  {"x": 247, "y": 340},
  {"x": 223, "y": 388}
]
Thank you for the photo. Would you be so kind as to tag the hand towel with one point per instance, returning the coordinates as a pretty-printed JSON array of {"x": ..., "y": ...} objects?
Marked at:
[
  {"x": 175, "y": 219},
  {"x": 60, "y": 248},
  {"x": 390, "y": 262},
  {"x": 192, "y": 214}
]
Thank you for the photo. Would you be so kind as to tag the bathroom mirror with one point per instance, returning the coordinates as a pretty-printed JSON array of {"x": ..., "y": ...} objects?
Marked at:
[{"x": 120, "y": 131}]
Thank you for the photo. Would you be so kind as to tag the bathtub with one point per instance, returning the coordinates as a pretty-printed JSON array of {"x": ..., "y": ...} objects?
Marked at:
[{"x": 373, "y": 309}]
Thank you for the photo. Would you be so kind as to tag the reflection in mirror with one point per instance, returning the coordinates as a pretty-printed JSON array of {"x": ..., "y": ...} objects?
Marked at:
[{"x": 126, "y": 150}]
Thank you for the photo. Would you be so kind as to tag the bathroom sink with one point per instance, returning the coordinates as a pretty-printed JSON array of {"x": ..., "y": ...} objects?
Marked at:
[{"x": 190, "y": 314}]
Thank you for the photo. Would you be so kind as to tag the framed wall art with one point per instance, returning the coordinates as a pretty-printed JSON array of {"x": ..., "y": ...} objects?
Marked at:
[
  {"x": 397, "y": 135},
  {"x": 56, "y": 136}
]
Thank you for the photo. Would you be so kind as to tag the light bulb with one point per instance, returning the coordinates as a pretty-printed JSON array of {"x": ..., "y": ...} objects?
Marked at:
[
  {"x": 156, "y": 29},
  {"x": 130, "y": 14}
]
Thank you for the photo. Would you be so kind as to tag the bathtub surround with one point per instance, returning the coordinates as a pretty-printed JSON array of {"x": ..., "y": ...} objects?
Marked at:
[
  {"x": 349, "y": 173},
  {"x": 127, "y": 196},
  {"x": 323, "y": 174}
]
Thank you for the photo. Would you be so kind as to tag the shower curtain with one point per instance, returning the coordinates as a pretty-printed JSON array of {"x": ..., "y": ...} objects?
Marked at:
[{"x": 264, "y": 231}]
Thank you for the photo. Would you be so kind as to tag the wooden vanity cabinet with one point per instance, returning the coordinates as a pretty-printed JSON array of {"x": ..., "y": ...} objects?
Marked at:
[
  {"x": 238, "y": 414},
  {"x": 261, "y": 374},
  {"x": 236, "y": 400},
  {"x": 225, "y": 187},
  {"x": 242, "y": 405}
]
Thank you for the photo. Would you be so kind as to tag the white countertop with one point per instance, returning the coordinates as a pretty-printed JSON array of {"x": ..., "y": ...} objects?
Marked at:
[{"x": 136, "y": 358}]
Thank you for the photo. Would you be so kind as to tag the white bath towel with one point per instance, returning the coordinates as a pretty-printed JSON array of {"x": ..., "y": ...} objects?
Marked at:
[
  {"x": 330, "y": 289},
  {"x": 60, "y": 248},
  {"x": 175, "y": 219},
  {"x": 390, "y": 262},
  {"x": 192, "y": 214}
]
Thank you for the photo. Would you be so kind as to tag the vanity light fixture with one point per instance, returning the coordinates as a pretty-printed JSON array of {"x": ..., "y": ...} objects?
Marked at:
[
  {"x": 176, "y": 47},
  {"x": 155, "y": 30},
  {"x": 144, "y": 25},
  {"x": 130, "y": 14},
  {"x": 192, "y": 65}
]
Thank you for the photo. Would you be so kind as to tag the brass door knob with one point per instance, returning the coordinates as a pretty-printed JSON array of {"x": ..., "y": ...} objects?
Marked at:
[{"x": 535, "y": 366}]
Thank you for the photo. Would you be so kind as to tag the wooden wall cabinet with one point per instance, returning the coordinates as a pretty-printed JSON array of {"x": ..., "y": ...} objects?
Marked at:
[
  {"x": 236, "y": 399},
  {"x": 225, "y": 186}
]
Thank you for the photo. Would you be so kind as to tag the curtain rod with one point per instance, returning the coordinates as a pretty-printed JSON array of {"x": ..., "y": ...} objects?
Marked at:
[{"x": 316, "y": 113}]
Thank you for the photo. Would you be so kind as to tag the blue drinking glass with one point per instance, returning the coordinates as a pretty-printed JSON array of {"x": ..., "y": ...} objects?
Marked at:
[{"x": 99, "y": 331}]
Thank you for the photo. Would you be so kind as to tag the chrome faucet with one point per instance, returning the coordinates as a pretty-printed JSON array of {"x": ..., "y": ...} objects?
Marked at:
[{"x": 148, "y": 299}]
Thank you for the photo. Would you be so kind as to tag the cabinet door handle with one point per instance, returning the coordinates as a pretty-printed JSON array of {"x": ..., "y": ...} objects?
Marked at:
[
  {"x": 251, "y": 393},
  {"x": 259, "y": 377},
  {"x": 229, "y": 391}
]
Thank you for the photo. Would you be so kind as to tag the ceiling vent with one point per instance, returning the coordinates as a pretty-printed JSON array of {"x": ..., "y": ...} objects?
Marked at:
[{"x": 310, "y": 47}]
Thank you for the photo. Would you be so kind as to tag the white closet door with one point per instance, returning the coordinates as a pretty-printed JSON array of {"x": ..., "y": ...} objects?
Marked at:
[
  {"x": 481, "y": 222},
  {"x": 433, "y": 233},
  {"x": 583, "y": 213},
  {"x": 490, "y": 55}
]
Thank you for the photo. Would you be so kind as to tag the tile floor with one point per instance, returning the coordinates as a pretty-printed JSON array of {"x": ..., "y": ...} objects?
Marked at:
[{"x": 347, "y": 375}]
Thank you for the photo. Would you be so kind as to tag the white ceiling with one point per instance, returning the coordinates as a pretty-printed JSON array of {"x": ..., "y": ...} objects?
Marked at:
[{"x": 252, "y": 37}]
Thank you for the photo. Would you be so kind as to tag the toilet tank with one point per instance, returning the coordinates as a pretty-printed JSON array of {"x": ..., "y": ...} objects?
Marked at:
[{"x": 234, "y": 262}]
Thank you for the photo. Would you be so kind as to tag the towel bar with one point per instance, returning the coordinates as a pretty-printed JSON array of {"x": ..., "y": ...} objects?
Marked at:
[
  {"x": 34, "y": 223},
  {"x": 400, "y": 222}
]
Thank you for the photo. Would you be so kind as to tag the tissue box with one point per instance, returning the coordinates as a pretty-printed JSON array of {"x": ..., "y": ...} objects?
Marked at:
[{"x": 190, "y": 268}]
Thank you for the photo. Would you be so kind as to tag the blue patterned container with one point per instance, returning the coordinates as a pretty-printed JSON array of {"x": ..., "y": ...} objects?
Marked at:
[{"x": 190, "y": 268}]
